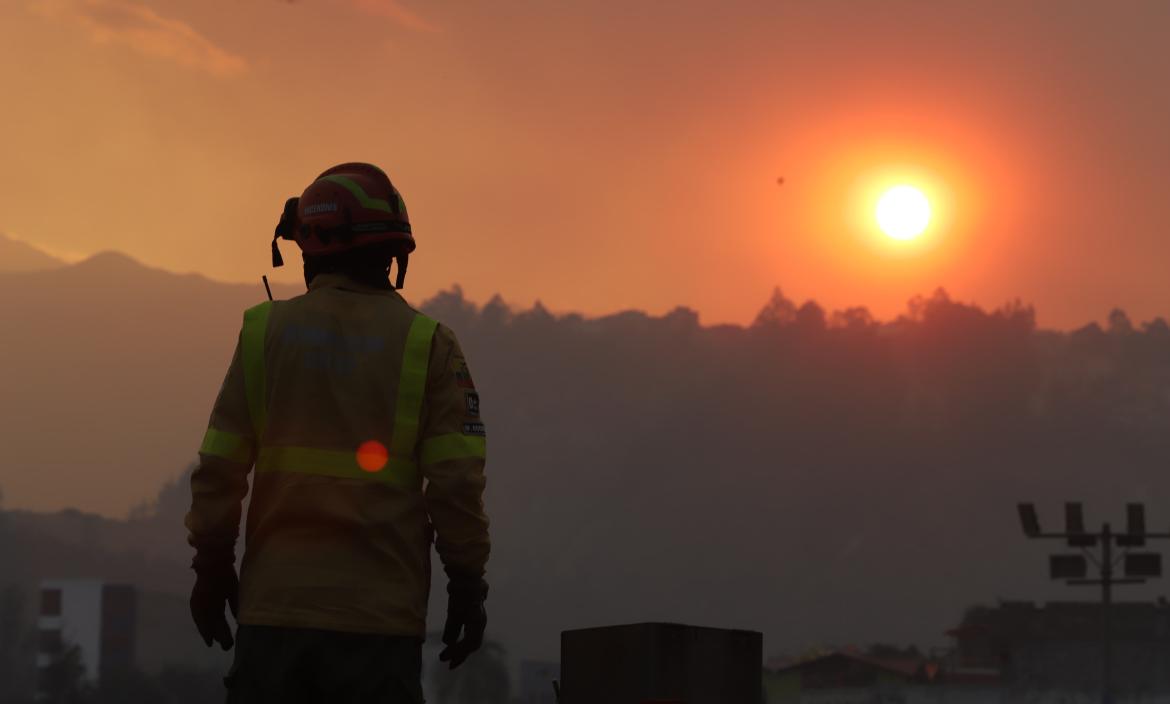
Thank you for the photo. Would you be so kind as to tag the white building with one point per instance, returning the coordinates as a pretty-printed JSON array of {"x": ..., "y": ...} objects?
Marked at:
[{"x": 96, "y": 617}]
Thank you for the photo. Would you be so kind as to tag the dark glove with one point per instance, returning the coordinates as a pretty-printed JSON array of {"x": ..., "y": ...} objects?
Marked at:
[
  {"x": 215, "y": 583},
  {"x": 465, "y": 612}
]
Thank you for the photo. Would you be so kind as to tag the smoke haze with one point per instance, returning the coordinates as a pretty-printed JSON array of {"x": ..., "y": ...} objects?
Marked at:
[{"x": 821, "y": 476}]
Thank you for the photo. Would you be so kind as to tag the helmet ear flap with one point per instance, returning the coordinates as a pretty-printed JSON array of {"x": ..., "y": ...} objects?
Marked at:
[{"x": 285, "y": 229}]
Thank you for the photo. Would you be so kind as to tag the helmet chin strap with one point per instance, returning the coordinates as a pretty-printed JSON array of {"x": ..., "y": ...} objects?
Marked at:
[{"x": 403, "y": 260}]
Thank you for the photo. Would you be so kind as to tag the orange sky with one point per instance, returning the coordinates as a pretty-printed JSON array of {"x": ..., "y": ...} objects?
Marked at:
[{"x": 607, "y": 155}]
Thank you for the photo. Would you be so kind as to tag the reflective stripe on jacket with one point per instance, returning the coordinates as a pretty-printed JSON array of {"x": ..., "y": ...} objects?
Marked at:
[{"x": 347, "y": 402}]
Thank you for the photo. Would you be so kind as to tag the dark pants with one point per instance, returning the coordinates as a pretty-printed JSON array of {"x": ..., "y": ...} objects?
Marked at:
[{"x": 305, "y": 666}]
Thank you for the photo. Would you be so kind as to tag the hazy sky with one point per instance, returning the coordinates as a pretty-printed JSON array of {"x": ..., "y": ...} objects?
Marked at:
[{"x": 607, "y": 155}]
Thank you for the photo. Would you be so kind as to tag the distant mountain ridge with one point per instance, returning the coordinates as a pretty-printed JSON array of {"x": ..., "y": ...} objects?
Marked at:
[
  {"x": 21, "y": 256},
  {"x": 112, "y": 371}
]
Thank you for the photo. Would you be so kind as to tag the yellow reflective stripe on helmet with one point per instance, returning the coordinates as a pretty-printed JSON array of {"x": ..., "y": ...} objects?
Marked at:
[
  {"x": 255, "y": 328},
  {"x": 229, "y": 446},
  {"x": 360, "y": 193},
  {"x": 412, "y": 384},
  {"x": 335, "y": 463},
  {"x": 453, "y": 446}
]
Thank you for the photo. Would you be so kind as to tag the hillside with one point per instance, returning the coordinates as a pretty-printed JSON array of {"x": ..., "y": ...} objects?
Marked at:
[
  {"x": 820, "y": 476},
  {"x": 19, "y": 256},
  {"x": 110, "y": 372}
]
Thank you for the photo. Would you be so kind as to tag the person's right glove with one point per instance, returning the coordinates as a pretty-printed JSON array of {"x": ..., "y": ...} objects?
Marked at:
[{"x": 465, "y": 612}]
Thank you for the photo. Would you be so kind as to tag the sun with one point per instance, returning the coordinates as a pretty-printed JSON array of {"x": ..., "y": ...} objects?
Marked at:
[{"x": 903, "y": 212}]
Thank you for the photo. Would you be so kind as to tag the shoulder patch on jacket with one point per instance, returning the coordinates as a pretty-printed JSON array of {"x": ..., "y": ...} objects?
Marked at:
[{"x": 463, "y": 374}]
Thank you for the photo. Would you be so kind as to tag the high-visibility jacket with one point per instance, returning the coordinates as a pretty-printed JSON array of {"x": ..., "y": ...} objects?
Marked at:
[{"x": 361, "y": 419}]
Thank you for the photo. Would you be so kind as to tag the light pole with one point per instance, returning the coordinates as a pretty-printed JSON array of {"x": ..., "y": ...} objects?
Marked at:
[{"x": 1073, "y": 567}]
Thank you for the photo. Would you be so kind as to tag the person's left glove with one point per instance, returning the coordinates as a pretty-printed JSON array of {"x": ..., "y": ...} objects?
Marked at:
[
  {"x": 466, "y": 615},
  {"x": 215, "y": 584}
]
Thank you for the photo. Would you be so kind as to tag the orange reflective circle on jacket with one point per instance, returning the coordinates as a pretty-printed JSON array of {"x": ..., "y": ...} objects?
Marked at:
[{"x": 372, "y": 456}]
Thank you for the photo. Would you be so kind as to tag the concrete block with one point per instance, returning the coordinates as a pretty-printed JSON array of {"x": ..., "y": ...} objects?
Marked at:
[{"x": 661, "y": 663}]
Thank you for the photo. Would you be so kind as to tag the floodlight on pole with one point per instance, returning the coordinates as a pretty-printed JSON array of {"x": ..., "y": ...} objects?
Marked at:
[
  {"x": 1074, "y": 517},
  {"x": 1074, "y": 525},
  {"x": 1072, "y": 568},
  {"x": 1136, "y": 513},
  {"x": 1135, "y": 527},
  {"x": 1143, "y": 564}
]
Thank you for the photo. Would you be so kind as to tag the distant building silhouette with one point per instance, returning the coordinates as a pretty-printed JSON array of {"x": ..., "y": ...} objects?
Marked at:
[
  {"x": 852, "y": 677},
  {"x": 97, "y": 618},
  {"x": 1057, "y": 646}
]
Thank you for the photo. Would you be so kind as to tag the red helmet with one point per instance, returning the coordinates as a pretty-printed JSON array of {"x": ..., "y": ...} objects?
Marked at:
[{"x": 349, "y": 206}]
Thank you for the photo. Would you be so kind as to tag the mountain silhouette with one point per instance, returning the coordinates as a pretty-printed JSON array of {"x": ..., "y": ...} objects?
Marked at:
[
  {"x": 19, "y": 256},
  {"x": 110, "y": 371}
]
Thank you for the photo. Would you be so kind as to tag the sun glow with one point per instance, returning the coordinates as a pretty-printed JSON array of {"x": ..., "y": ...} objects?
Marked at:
[{"x": 903, "y": 212}]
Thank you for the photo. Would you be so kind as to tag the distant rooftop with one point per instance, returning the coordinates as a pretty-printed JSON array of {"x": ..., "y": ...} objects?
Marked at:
[{"x": 1065, "y": 620}]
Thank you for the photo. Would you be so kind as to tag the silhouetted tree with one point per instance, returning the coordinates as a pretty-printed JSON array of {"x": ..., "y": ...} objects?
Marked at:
[
  {"x": 777, "y": 311},
  {"x": 810, "y": 317},
  {"x": 856, "y": 318},
  {"x": 1157, "y": 329},
  {"x": 63, "y": 680},
  {"x": 17, "y": 666},
  {"x": 1119, "y": 323}
]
